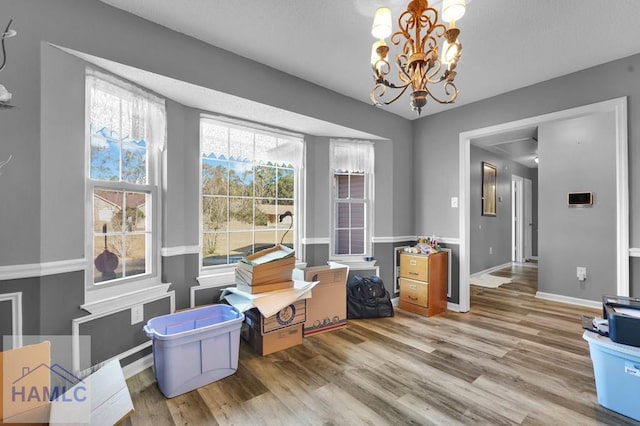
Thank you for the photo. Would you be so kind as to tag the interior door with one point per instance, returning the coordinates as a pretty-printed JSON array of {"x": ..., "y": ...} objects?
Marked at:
[
  {"x": 528, "y": 218},
  {"x": 517, "y": 221}
]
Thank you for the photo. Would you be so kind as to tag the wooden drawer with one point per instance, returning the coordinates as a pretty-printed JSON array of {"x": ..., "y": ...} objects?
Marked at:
[
  {"x": 414, "y": 267},
  {"x": 416, "y": 292}
]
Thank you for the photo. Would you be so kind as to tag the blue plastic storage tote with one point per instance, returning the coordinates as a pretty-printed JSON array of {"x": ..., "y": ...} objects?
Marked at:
[
  {"x": 616, "y": 368},
  {"x": 195, "y": 347}
]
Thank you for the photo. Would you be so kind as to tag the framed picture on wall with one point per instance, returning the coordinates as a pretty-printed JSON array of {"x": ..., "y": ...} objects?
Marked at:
[{"x": 489, "y": 180}]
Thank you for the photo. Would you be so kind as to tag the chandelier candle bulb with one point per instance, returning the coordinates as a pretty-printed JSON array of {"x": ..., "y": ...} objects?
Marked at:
[
  {"x": 382, "y": 23},
  {"x": 453, "y": 10}
]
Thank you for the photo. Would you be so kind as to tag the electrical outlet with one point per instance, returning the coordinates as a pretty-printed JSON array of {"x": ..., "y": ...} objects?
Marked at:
[
  {"x": 137, "y": 314},
  {"x": 490, "y": 250},
  {"x": 581, "y": 273},
  {"x": 454, "y": 202}
]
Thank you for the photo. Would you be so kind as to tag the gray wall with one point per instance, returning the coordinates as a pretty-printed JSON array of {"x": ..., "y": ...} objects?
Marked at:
[
  {"x": 436, "y": 153},
  {"x": 44, "y": 222},
  {"x": 416, "y": 173},
  {"x": 98, "y": 29},
  {"x": 493, "y": 232},
  {"x": 569, "y": 153}
]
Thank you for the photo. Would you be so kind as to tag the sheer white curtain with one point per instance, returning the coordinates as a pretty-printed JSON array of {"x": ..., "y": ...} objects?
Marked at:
[
  {"x": 127, "y": 110},
  {"x": 352, "y": 156},
  {"x": 222, "y": 139}
]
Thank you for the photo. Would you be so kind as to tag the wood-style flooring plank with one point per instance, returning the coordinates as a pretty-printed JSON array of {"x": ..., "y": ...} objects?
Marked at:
[{"x": 513, "y": 359}]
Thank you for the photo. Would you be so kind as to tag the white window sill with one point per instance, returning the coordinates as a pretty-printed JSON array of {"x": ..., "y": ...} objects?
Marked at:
[
  {"x": 115, "y": 298},
  {"x": 356, "y": 264}
]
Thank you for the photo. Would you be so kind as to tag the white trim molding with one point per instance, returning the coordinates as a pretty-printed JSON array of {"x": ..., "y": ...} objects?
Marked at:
[
  {"x": 137, "y": 366},
  {"x": 634, "y": 252},
  {"x": 179, "y": 250},
  {"x": 75, "y": 327},
  {"x": 571, "y": 300},
  {"x": 127, "y": 300},
  {"x": 16, "y": 316},
  {"x": 453, "y": 307},
  {"x": 33, "y": 270},
  {"x": 317, "y": 240},
  {"x": 448, "y": 240},
  {"x": 489, "y": 270},
  {"x": 617, "y": 106},
  {"x": 396, "y": 239}
]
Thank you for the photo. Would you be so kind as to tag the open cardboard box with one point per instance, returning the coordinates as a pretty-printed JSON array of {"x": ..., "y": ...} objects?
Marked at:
[
  {"x": 327, "y": 307},
  {"x": 28, "y": 396}
]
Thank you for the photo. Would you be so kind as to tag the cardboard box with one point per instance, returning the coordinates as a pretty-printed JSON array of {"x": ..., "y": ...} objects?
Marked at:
[
  {"x": 24, "y": 382},
  {"x": 327, "y": 307},
  {"x": 269, "y": 266},
  {"x": 277, "y": 332},
  {"x": 273, "y": 342},
  {"x": 28, "y": 396},
  {"x": 290, "y": 315}
]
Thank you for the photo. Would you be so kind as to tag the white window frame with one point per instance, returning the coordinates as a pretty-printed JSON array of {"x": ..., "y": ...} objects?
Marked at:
[
  {"x": 217, "y": 275},
  {"x": 127, "y": 290},
  {"x": 369, "y": 185}
]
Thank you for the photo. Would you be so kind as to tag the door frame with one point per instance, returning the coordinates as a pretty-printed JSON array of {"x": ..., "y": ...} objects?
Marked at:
[
  {"x": 517, "y": 218},
  {"x": 619, "y": 107}
]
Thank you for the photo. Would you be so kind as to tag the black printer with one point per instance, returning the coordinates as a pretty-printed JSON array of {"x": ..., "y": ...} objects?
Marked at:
[{"x": 623, "y": 314}]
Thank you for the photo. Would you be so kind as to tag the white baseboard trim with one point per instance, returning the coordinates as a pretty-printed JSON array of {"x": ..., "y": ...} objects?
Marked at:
[
  {"x": 570, "y": 300},
  {"x": 137, "y": 366},
  {"x": 488, "y": 271},
  {"x": 455, "y": 307}
]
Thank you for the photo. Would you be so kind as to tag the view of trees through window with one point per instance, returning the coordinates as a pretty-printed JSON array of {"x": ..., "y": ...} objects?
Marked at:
[
  {"x": 248, "y": 193},
  {"x": 120, "y": 181}
]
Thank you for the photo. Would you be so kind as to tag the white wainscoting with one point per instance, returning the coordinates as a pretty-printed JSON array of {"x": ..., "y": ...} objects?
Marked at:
[
  {"x": 75, "y": 330},
  {"x": 16, "y": 316}
]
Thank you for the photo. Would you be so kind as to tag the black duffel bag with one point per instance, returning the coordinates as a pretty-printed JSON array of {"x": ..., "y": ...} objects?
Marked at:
[{"x": 367, "y": 298}]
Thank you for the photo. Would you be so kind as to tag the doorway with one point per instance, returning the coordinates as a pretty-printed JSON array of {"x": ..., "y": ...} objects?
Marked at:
[
  {"x": 521, "y": 219},
  {"x": 619, "y": 109}
]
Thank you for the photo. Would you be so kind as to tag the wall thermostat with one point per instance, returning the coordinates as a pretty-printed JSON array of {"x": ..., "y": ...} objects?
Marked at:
[{"x": 580, "y": 198}]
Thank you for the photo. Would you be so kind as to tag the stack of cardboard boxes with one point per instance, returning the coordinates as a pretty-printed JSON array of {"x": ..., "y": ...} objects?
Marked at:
[{"x": 273, "y": 269}]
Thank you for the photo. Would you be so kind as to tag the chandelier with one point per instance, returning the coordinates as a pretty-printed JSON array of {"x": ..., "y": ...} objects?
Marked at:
[{"x": 430, "y": 53}]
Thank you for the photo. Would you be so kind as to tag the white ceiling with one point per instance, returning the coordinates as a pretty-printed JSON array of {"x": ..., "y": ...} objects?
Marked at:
[{"x": 507, "y": 44}]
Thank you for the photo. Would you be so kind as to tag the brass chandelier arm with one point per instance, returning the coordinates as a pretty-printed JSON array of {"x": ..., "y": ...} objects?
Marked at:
[{"x": 381, "y": 88}]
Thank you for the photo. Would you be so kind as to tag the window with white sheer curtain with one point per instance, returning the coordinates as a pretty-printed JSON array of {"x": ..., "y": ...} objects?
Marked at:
[
  {"x": 352, "y": 166},
  {"x": 126, "y": 134},
  {"x": 250, "y": 190}
]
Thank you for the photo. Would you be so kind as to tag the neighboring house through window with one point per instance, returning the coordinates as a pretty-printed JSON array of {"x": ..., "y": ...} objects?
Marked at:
[
  {"x": 126, "y": 131},
  {"x": 352, "y": 164},
  {"x": 250, "y": 190}
]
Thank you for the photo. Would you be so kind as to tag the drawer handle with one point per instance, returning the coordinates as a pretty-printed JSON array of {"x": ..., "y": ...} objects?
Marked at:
[
  {"x": 413, "y": 262},
  {"x": 412, "y": 297},
  {"x": 413, "y": 273}
]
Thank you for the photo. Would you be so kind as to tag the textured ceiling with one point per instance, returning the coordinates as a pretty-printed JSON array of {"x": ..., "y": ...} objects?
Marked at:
[{"x": 507, "y": 44}]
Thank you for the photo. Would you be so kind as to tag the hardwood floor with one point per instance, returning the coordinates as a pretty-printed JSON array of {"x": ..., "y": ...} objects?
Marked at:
[{"x": 512, "y": 360}]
